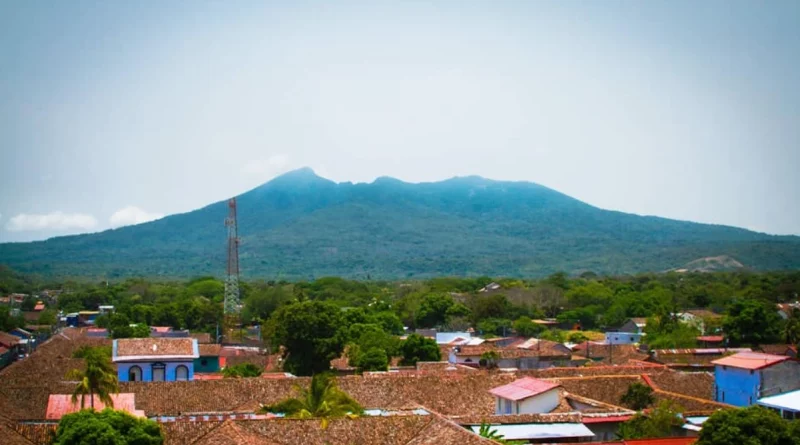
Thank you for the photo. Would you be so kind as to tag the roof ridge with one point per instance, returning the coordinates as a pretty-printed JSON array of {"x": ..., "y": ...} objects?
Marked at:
[
  {"x": 208, "y": 432},
  {"x": 693, "y": 398}
]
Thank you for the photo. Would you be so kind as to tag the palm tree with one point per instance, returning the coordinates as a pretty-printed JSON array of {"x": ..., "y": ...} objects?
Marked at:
[
  {"x": 487, "y": 432},
  {"x": 322, "y": 399},
  {"x": 99, "y": 378}
]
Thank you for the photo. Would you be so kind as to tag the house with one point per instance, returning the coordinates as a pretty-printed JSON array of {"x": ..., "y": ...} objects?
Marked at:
[
  {"x": 623, "y": 338},
  {"x": 490, "y": 287},
  {"x": 86, "y": 318},
  {"x": 526, "y": 396},
  {"x": 155, "y": 359},
  {"x": 785, "y": 309},
  {"x": 744, "y": 378},
  {"x": 698, "y": 318},
  {"x": 12, "y": 343},
  {"x": 208, "y": 361},
  {"x": 105, "y": 309},
  {"x": 634, "y": 325},
  {"x": 786, "y": 404},
  {"x": 529, "y": 354},
  {"x": 59, "y": 405}
]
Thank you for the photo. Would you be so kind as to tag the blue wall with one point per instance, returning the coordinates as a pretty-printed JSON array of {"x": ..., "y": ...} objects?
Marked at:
[
  {"x": 212, "y": 364},
  {"x": 147, "y": 370},
  {"x": 740, "y": 386}
]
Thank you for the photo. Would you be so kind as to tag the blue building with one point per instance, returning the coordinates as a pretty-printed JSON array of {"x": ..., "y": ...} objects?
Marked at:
[
  {"x": 155, "y": 359},
  {"x": 744, "y": 378}
]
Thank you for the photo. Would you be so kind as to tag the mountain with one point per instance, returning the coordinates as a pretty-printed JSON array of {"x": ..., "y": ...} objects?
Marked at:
[{"x": 300, "y": 225}]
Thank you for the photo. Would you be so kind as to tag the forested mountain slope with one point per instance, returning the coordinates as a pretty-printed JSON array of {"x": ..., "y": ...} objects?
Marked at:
[{"x": 301, "y": 226}]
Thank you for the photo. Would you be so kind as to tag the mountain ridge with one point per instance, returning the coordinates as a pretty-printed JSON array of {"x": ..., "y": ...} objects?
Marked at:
[{"x": 300, "y": 225}]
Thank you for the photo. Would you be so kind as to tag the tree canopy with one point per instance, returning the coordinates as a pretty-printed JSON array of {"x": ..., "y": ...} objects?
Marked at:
[
  {"x": 417, "y": 348},
  {"x": 749, "y": 426},
  {"x": 107, "y": 427}
]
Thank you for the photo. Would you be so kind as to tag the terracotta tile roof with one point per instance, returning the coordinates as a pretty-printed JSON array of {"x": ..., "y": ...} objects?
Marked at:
[
  {"x": 519, "y": 418},
  {"x": 523, "y": 388},
  {"x": 12, "y": 437},
  {"x": 154, "y": 347},
  {"x": 202, "y": 337},
  {"x": 391, "y": 430},
  {"x": 711, "y": 338},
  {"x": 3, "y": 350},
  {"x": 775, "y": 349},
  {"x": 60, "y": 405},
  {"x": 703, "y": 313},
  {"x": 696, "y": 384},
  {"x": 209, "y": 350},
  {"x": 8, "y": 340},
  {"x": 524, "y": 348},
  {"x": 750, "y": 360}
]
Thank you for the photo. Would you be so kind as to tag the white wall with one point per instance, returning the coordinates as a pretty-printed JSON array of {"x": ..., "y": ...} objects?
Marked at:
[{"x": 541, "y": 403}]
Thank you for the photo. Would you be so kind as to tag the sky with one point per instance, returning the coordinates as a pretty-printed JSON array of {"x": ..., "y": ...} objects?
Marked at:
[{"x": 115, "y": 113}]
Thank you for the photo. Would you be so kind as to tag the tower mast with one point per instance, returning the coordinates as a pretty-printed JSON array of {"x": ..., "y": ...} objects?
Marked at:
[{"x": 231, "y": 305}]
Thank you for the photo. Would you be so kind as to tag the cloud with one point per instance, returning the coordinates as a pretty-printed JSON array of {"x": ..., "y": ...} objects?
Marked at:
[
  {"x": 130, "y": 215},
  {"x": 52, "y": 221},
  {"x": 271, "y": 166}
]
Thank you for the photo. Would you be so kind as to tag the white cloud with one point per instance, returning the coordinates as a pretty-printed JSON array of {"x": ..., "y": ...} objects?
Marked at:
[
  {"x": 52, "y": 221},
  {"x": 130, "y": 215},
  {"x": 272, "y": 166}
]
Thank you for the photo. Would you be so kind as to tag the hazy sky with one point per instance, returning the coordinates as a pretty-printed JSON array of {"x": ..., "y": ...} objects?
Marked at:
[{"x": 117, "y": 112}]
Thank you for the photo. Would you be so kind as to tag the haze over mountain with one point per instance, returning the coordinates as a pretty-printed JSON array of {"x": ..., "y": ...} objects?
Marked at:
[{"x": 300, "y": 225}]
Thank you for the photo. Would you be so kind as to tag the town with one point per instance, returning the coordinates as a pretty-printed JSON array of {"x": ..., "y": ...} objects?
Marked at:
[{"x": 539, "y": 380}]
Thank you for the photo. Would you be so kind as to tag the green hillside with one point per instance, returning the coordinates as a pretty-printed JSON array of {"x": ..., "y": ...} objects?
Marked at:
[{"x": 301, "y": 226}]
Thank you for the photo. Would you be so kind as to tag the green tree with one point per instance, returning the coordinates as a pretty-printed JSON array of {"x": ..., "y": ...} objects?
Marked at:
[
  {"x": 322, "y": 399},
  {"x": 7, "y": 322},
  {"x": 389, "y": 322},
  {"x": 241, "y": 370},
  {"x": 749, "y": 426},
  {"x": 752, "y": 322},
  {"x": 28, "y": 303},
  {"x": 99, "y": 377},
  {"x": 491, "y": 306},
  {"x": 659, "y": 422},
  {"x": 577, "y": 337},
  {"x": 638, "y": 396},
  {"x": 417, "y": 348},
  {"x": 791, "y": 331},
  {"x": 489, "y": 359},
  {"x": 310, "y": 334},
  {"x": 525, "y": 327},
  {"x": 107, "y": 427},
  {"x": 374, "y": 359},
  {"x": 433, "y": 310}
]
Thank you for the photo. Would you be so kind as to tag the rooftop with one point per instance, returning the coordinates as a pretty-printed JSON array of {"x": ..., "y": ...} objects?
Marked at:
[
  {"x": 789, "y": 401},
  {"x": 750, "y": 360},
  {"x": 523, "y": 388},
  {"x": 154, "y": 348},
  {"x": 59, "y": 405}
]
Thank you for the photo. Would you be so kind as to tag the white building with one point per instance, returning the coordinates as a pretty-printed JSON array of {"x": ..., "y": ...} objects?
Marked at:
[{"x": 526, "y": 396}]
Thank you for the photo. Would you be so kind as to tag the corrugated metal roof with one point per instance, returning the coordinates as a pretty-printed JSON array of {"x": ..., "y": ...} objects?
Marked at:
[
  {"x": 786, "y": 401},
  {"x": 750, "y": 360},
  {"x": 532, "y": 431},
  {"x": 444, "y": 338},
  {"x": 523, "y": 388}
]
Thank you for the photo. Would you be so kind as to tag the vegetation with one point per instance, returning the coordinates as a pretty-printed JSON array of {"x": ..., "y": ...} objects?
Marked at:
[
  {"x": 322, "y": 400},
  {"x": 658, "y": 422},
  {"x": 300, "y": 226},
  {"x": 752, "y": 322},
  {"x": 310, "y": 333},
  {"x": 108, "y": 427},
  {"x": 417, "y": 348},
  {"x": 242, "y": 370},
  {"x": 749, "y": 426},
  {"x": 638, "y": 396},
  {"x": 99, "y": 377}
]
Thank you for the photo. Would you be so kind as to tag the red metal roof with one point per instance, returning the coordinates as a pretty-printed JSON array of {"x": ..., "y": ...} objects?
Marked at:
[
  {"x": 3, "y": 350},
  {"x": 750, "y": 360},
  {"x": 39, "y": 307},
  {"x": 523, "y": 388},
  {"x": 711, "y": 338},
  {"x": 60, "y": 405}
]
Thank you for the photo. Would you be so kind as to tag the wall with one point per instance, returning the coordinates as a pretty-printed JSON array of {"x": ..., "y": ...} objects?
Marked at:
[
  {"x": 622, "y": 338},
  {"x": 211, "y": 364},
  {"x": 740, "y": 386},
  {"x": 147, "y": 370},
  {"x": 542, "y": 403},
  {"x": 780, "y": 378}
]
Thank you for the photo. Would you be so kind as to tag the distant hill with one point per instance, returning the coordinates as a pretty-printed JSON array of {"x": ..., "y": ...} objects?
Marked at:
[{"x": 300, "y": 225}]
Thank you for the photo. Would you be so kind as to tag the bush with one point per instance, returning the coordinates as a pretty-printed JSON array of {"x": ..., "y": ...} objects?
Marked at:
[
  {"x": 242, "y": 370},
  {"x": 419, "y": 349}
]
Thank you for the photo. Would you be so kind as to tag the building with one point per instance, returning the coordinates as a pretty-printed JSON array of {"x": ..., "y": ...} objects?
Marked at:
[
  {"x": 623, "y": 338},
  {"x": 785, "y": 310},
  {"x": 526, "y": 396},
  {"x": 526, "y": 354},
  {"x": 786, "y": 404},
  {"x": 209, "y": 358},
  {"x": 12, "y": 344},
  {"x": 744, "y": 378},
  {"x": 155, "y": 359},
  {"x": 699, "y": 318},
  {"x": 634, "y": 325}
]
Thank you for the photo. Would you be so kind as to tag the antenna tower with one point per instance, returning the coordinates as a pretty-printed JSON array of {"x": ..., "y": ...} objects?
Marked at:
[{"x": 231, "y": 307}]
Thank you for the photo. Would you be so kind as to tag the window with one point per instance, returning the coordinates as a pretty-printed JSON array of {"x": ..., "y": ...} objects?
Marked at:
[
  {"x": 508, "y": 407},
  {"x": 181, "y": 373},
  {"x": 203, "y": 362},
  {"x": 135, "y": 374},
  {"x": 158, "y": 372}
]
